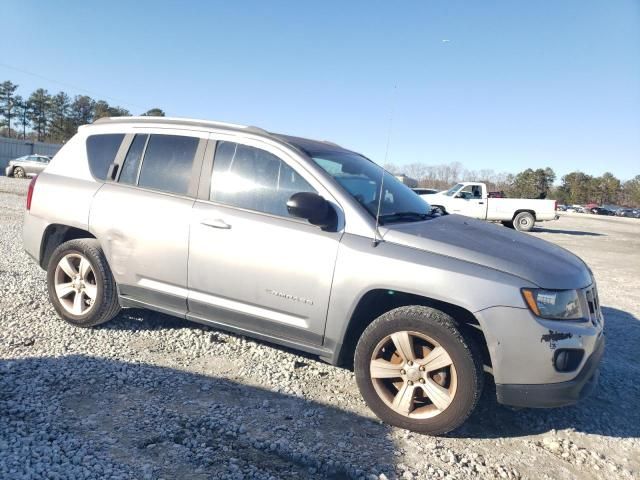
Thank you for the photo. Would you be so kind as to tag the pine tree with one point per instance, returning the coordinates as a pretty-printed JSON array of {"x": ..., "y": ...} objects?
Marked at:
[{"x": 7, "y": 103}]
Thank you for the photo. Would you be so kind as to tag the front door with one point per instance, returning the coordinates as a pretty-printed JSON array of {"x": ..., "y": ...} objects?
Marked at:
[
  {"x": 470, "y": 201},
  {"x": 252, "y": 266},
  {"x": 32, "y": 165}
]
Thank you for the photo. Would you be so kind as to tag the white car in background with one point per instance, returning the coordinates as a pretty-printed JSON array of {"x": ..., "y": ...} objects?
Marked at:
[
  {"x": 472, "y": 199},
  {"x": 576, "y": 209},
  {"x": 27, "y": 166}
]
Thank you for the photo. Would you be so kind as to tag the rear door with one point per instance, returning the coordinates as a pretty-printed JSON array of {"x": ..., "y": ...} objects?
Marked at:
[
  {"x": 142, "y": 218},
  {"x": 40, "y": 164},
  {"x": 253, "y": 267}
]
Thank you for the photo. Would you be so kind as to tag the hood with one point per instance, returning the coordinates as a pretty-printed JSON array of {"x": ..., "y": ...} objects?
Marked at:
[{"x": 495, "y": 246}]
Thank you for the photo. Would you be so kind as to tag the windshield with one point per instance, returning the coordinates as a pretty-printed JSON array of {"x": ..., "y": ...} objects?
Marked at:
[
  {"x": 361, "y": 178},
  {"x": 453, "y": 190}
]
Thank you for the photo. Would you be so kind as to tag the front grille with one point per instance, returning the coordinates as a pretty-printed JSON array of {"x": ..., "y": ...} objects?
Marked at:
[{"x": 593, "y": 304}]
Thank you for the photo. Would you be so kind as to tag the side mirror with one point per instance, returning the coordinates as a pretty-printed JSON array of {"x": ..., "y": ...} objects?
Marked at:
[
  {"x": 459, "y": 195},
  {"x": 311, "y": 207}
]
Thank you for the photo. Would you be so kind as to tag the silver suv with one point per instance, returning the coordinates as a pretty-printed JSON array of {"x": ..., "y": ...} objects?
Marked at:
[{"x": 312, "y": 246}]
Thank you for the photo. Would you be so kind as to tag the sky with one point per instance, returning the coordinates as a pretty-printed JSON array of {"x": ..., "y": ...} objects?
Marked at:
[{"x": 502, "y": 85}]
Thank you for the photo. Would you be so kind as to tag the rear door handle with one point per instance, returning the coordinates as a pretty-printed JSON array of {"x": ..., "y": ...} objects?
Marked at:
[
  {"x": 216, "y": 223},
  {"x": 480, "y": 203}
]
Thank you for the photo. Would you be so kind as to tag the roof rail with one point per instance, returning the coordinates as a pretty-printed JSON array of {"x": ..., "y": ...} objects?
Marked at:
[{"x": 180, "y": 121}]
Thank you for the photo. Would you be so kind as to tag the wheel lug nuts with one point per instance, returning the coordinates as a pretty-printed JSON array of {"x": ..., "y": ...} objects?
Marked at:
[
  {"x": 402, "y": 372},
  {"x": 410, "y": 363},
  {"x": 422, "y": 369},
  {"x": 410, "y": 382},
  {"x": 422, "y": 380}
]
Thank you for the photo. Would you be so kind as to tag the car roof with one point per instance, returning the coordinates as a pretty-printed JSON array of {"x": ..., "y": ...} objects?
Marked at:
[{"x": 310, "y": 147}]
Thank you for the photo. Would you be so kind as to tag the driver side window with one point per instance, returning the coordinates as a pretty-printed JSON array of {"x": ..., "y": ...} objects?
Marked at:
[
  {"x": 253, "y": 179},
  {"x": 471, "y": 192}
]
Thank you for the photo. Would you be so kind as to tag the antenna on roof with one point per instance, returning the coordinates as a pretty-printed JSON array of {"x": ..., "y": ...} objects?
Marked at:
[{"x": 377, "y": 238}]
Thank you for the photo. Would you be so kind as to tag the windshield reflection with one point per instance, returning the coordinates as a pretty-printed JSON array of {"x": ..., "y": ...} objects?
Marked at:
[{"x": 361, "y": 178}]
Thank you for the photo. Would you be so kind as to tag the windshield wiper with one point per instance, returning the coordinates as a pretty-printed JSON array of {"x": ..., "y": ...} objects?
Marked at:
[{"x": 403, "y": 216}]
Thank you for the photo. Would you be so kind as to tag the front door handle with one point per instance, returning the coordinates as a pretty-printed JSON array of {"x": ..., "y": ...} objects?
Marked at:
[
  {"x": 480, "y": 203},
  {"x": 216, "y": 223}
]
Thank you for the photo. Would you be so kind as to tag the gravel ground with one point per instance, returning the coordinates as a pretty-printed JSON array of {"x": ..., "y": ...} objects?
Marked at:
[{"x": 147, "y": 396}]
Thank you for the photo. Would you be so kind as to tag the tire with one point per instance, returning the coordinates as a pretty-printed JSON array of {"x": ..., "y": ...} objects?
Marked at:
[
  {"x": 72, "y": 283},
  {"x": 19, "y": 172},
  {"x": 508, "y": 224},
  {"x": 524, "y": 222},
  {"x": 458, "y": 386}
]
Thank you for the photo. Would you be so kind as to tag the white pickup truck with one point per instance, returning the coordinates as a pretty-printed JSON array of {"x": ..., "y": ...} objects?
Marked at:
[{"x": 473, "y": 200}]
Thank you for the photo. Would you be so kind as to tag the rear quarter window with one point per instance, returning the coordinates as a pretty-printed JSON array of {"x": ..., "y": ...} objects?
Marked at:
[{"x": 101, "y": 152}]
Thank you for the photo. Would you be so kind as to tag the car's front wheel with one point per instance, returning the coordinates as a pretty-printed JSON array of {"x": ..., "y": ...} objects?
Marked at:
[
  {"x": 80, "y": 284},
  {"x": 19, "y": 172},
  {"x": 416, "y": 371}
]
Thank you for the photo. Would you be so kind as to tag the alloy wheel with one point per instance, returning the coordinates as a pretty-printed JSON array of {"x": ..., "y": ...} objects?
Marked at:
[
  {"x": 75, "y": 284},
  {"x": 413, "y": 375}
]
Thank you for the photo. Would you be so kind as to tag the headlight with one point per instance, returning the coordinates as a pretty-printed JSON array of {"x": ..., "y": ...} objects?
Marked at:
[{"x": 553, "y": 304}]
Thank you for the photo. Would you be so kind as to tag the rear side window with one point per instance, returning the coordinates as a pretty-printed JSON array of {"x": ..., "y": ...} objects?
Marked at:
[
  {"x": 101, "y": 152},
  {"x": 129, "y": 174},
  {"x": 167, "y": 163},
  {"x": 251, "y": 178}
]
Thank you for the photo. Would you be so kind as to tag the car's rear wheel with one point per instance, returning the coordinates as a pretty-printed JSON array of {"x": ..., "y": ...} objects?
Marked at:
[
  {"x": 80, "y": 284},
  {"x": 416, "y": 371},
  {"x": 19, "y": 172},
  {"x": 524, "y": 222}
]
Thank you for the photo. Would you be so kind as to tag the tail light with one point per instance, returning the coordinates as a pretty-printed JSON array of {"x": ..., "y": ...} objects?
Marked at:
[{"x": 32, "y": 186}]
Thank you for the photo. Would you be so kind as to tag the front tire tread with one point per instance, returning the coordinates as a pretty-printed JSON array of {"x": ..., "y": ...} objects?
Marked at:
[{"x": 434, "y": 323}]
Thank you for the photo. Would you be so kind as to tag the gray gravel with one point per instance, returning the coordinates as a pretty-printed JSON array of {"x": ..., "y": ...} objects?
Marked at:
[{"x": 147, "y": 396}]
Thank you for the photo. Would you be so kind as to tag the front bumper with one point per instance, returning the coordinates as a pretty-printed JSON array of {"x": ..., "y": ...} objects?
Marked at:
[
  {"x": 555, "y": 394},
  {"x": 522, "y": 346},
  {"x": 8, "y": 171}
]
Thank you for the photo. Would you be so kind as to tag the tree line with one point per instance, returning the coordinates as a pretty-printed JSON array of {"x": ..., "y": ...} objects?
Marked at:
[
  {"x": 575, "y": 187},
  {"x": 53, "y": 118},
  {"x": 56, "y": 117}
]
